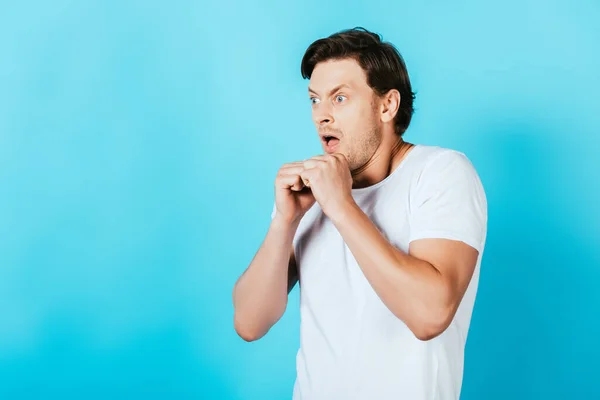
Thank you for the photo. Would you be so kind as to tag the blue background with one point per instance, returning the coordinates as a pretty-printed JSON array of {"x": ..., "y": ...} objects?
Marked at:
[{"x": 139, "y": 142}]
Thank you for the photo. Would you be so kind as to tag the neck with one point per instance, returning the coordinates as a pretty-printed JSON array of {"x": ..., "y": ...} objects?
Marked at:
[{"x": 386, "y": 158}]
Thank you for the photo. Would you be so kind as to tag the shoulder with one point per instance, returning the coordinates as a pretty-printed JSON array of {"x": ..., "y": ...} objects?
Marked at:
[
  {"x": 438, "y": 168},
  {"x": 447, "y": 198},
  {"x": 436, "y": 157},
  {"x": 436, "y": 161}
]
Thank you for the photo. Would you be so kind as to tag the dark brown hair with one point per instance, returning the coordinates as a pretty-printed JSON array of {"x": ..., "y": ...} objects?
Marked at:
[{"x": 381, "y": 61}]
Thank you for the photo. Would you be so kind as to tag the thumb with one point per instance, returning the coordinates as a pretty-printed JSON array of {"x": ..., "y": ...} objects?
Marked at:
[{"x": 306, "y": 177}]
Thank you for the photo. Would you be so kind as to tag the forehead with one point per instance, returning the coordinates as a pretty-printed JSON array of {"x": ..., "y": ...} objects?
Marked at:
[{"x": 332, "y": 73}]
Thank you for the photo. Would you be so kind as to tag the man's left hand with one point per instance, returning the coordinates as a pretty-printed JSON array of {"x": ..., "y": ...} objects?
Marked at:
[{"x": 330, "y": 181}]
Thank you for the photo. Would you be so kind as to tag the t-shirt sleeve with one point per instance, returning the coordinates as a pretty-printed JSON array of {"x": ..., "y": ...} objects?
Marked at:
[
  {"x": 274, "y": 211},
  {"x": 448, "y": 202}
]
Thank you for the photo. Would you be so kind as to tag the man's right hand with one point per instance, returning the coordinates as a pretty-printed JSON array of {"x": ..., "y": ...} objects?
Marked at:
[{"x": 292, "y": 198}]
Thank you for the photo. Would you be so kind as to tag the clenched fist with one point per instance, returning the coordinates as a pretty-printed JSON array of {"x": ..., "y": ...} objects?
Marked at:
[
  {"x": 292, "y": 198},
  {"x": 330, "y": 181}
]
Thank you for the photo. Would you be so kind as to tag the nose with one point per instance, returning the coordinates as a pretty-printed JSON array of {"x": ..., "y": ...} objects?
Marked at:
[{"x": 322, "y": 116}]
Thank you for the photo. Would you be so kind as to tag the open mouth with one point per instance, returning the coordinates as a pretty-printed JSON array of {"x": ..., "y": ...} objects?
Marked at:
[
  {"x": 330, "y": 142},
  {"x": 331, "y": 139}
]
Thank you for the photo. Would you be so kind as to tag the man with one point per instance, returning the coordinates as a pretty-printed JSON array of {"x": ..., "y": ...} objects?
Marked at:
[{"x": 385, "y": 238}]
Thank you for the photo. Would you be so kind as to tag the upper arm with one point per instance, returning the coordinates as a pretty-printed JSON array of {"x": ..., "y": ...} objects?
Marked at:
[
  {"x": 455, "y": 261},
  {"x": 292, "y": 264},
  {"x": 292, "y": 270},
  {"x": 448, "y": 220}
]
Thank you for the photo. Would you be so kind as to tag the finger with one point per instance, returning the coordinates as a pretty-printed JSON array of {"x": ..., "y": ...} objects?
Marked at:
[
  {"x": 292, "y": 164},
  {"x": 293, "y": 182},
  {"x": 299, "y": 185},
  {"x": 321, "y": 157},
  {"x": 307, "y": 176},
  {"x": 287, "y": 167},
  {"x": 292, "y": 170},
  {"x": 313, "y": 163}
]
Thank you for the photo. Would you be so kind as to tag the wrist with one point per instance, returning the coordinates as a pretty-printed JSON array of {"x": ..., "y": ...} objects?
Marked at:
[
  {"x": 282, "y": 223},
  {"x": 342, "y": 211}
]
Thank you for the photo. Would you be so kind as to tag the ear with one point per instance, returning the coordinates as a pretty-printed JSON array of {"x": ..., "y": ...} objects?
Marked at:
[{"x": 389, "y": 105}]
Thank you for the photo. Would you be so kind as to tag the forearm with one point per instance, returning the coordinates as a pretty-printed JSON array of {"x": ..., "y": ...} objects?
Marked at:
[
  {"x": 260, "y": 294},
  {"x": 413, "y": 289}
]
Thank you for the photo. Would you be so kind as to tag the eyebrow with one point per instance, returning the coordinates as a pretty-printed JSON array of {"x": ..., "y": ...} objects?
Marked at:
[{"x": 335, "y": 89}]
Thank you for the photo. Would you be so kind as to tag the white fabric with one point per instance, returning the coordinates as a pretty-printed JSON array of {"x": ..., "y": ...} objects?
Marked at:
[{"x": 351, "y": 345}]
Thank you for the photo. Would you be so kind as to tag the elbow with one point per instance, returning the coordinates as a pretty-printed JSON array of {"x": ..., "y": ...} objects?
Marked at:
[
  {"x": 246, "y": 331},
  {"x": 433, "y": 325},
  {"x": 246, "y": 334},
  {"x": 427, "y": 333},
  {"x": 252, "y": 319}
]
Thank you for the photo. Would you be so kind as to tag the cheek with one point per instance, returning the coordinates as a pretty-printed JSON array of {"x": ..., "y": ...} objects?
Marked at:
[{"x": 350, "y": 122}]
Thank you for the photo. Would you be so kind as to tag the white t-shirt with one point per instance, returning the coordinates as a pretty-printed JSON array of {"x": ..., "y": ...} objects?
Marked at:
[{"x": 351, "y": 345}]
